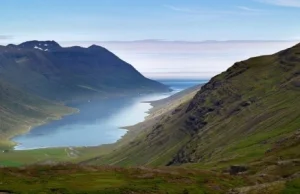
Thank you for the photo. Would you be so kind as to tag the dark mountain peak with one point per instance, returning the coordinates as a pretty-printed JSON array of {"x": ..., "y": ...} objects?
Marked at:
[
  {"x": 40, "y": 45},
  {"x": 12, "y": 46},
  {"x": 96, "y": 48}
]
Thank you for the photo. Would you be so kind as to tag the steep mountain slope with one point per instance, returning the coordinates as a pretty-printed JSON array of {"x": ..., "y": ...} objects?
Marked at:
[
  {"x": 20, "y": 110},
  {"x": 245, "y": 111},
  {"x": 248, "y": 114},
  {"x": 51, "y": 71}
]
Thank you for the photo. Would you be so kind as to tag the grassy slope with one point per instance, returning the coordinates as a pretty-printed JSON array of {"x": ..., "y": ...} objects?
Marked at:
[
  {"x": 171, "y": 103},
  {"x": 19, "y": 111},
  {"x": 252, "y": 111},
  {"x": 70, "y": 178},
  {"x": 247, "y": 115}
]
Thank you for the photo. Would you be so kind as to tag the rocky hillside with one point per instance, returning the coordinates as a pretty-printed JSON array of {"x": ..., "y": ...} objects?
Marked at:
[{"x": 46, "y": 69}]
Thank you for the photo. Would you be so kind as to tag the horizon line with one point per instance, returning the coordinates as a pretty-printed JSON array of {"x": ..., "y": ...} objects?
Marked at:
[{"x": 163, "y": 41}]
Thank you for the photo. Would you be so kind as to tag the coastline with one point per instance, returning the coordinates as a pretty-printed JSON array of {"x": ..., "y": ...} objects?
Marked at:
[
  {"x": 35, "y": 125},
  {"x": 157, "y": 108},
  {"x": 126, "y": 128},
  {"x": 18, "y": 146},
  {"x": 90, "y": 154}
]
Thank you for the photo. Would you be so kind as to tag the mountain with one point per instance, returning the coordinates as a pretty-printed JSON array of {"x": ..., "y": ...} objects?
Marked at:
[
  {"x": 248, "y": 115},
  {"x": 37, "y": 77},
  {"x": 40, "y": 45},
  {"x": 46, "y": 69}
]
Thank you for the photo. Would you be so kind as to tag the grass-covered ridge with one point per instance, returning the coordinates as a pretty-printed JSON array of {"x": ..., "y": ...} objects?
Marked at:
[{"x": 71, "y": 178}]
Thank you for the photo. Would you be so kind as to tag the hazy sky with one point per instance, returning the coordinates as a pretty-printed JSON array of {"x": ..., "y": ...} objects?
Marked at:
[
  {"x": 85, "y": 22},
  {"x": 180, "y": 59}
]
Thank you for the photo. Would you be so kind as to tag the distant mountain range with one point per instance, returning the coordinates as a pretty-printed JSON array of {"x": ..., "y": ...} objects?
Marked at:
[{"x": 46, "y": 69}]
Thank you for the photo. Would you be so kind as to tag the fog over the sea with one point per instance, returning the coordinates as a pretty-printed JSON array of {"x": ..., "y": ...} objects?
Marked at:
[{"x": 180, "y": 59}]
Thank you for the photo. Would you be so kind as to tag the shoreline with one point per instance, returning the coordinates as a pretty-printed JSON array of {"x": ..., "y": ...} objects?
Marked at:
[
  {"x": 155, "y": 110},
  {"x": 14, "y": 144},
  {"x": 32, "y": 127},
  {"x": 126, "y": 128}
]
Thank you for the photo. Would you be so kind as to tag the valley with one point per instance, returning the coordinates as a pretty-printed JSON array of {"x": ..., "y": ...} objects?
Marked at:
[
  {"x": 81, "y": 129},
  {"x": 238, "y": 133},
  {"x": 150, "y": 97}
]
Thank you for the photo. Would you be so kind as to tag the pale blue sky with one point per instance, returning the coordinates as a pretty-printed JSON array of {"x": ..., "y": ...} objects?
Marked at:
[{"x": 106, "y": 20}]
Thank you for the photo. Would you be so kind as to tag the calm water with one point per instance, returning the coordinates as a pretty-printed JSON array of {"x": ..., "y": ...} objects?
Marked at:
[{"x": 98, "y": 122}]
